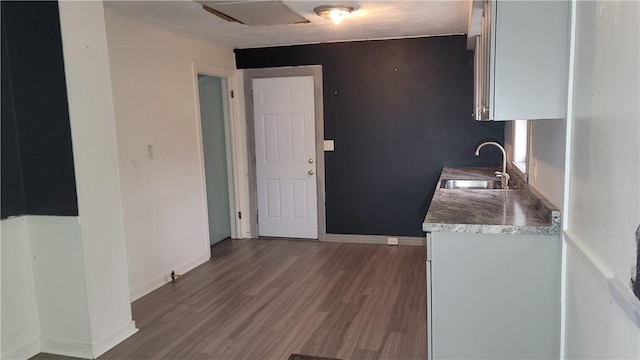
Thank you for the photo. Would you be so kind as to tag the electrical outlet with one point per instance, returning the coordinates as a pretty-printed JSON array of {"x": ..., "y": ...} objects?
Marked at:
[
  {"x": 392, "y": 241},
  {"x": 329, "y": 145},
  {"x": 535, "y": 171}
]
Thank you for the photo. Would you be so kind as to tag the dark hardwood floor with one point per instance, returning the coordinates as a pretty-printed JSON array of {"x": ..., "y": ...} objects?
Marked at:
[{"x": 269, "y": 298}]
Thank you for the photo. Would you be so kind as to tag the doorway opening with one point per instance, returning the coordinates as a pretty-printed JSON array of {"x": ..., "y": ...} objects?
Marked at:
[{"x": 214, "y": 122}]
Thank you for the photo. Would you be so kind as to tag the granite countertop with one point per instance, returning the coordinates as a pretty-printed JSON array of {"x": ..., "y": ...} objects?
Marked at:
[{"x": 518, "y": 211}]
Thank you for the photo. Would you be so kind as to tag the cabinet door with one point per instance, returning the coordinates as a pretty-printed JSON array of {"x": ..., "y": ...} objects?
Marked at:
[
  {"x": 494, "y": 296},
  {"x": 522, "y": 60},
  {"x": 531, "y": 48}
]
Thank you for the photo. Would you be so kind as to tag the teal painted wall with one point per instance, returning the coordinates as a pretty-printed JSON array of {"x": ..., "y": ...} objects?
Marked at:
[{"x": 215, "y": 158}]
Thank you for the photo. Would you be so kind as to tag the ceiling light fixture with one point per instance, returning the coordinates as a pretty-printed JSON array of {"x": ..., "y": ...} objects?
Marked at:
[{"x": 334, "y": 12}]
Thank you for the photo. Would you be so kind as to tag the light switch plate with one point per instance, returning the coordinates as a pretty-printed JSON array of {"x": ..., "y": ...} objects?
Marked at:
[{"x": 328, "y": 145}]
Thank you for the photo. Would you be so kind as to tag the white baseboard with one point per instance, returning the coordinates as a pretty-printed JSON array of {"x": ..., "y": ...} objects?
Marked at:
[
  {"x": 375, "y": 239},
  {"x": 66, "y": 348},
  {"x": 87, "y": 351},
  {"x": 163, "y": 279},
  {"x": 24, "y": 351},
  {"x": 53, "y": 220},
  {"x": 114, "y": 338}
]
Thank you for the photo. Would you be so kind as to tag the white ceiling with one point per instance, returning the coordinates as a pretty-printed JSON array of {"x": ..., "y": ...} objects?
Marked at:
[{"x": 371, "y": 19}]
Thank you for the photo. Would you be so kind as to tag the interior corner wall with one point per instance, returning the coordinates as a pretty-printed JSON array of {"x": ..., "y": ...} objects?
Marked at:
[
  {"x": 602, "y": 314},
  {"x": 61, "y": 286},
  {"x": 160, "y": 146},
  {"x": 19, "y": 313},
  {"x": 91, "y": 114},
  {"x": 398, "y": 111}
]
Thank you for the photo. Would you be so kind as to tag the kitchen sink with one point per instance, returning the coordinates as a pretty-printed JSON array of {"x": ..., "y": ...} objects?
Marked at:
[{"x": 470, "y": 184}]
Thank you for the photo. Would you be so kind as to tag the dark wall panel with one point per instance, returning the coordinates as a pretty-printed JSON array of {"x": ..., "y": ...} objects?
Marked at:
[
  {"x": 398, "y": 110},
  {"x": 34, "y": 49},
  {"x": 13, "y": 202}
]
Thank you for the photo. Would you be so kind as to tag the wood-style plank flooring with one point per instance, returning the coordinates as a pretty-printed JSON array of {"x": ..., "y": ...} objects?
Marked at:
[{"x": 269, "y": 298}]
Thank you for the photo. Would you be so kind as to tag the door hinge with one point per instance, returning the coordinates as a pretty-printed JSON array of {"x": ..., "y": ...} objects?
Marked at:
[
  {"x": 232, "y": 95},
  {"x": 256, "y": 216},
  {"x": 239, "y": 214}
]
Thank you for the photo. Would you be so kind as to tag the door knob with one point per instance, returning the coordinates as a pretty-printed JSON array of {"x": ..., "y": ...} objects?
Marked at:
[
  {"x": 311, "y": 172},
  {"x": 310, "y": 161}
]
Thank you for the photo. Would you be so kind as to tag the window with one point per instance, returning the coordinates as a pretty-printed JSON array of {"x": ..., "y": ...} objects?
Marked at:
[{"x": 520, "y": 144}]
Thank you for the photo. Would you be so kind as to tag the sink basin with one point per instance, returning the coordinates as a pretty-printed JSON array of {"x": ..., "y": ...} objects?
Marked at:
[{"x": 470, "y": 184}]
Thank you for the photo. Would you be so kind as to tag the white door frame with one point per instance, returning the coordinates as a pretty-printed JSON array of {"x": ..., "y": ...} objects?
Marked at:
[
  {"x": 316, "y": 72},
  {"x": 230, "y": 114}
]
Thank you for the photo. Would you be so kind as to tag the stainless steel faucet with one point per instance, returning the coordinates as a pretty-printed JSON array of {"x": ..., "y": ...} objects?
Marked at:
[{"x": 504, "y": 182}]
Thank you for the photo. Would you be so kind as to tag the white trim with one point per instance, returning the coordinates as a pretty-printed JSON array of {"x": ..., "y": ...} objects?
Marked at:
[
  {"x": 226, "y": 115},
  {"x": 567, "y": 180},
  {"x": 161, "y": 280},
  {"x": 25, "y": 351},
  {"x": 249, "y": 131},
  {"x": 375, "y": 239},
  {"x": 229, "y": 124},
  {"x": 233, "y": 156},
  {"x": 114, "y": 338},
  {"x": 53, "y": 220},
  {"x": 66, "y": 348}
]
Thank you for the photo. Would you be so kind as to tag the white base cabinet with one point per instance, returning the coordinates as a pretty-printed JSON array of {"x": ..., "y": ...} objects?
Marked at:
[{"x": 493, "y": 296}]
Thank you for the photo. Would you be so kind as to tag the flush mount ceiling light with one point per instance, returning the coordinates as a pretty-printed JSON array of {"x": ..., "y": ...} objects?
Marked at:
[{"x": 334, "y": 12}]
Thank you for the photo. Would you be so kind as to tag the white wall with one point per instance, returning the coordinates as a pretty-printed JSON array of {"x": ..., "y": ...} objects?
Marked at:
[
  {"x": 93, "y": 136},
  {"x": 45, "y": 303},
  {"x": 154, "y": 90},
  {"x": 546, "y": 156},
  {"x": 603, "y": 212},
  {"x": 20, "y": 323},
  {"x": 61, "y": 284},
  {"x": 547, "y": 159}
]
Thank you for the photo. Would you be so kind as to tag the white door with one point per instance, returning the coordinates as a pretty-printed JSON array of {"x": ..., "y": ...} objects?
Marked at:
[{"x": 284, "y": 114}]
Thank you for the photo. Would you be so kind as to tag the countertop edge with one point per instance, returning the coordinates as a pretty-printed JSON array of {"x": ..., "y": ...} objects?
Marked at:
[{"x": 553, "y": 229}]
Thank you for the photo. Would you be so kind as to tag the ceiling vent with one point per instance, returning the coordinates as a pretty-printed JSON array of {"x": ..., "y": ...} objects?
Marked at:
[{"x": 254, "y": 13}]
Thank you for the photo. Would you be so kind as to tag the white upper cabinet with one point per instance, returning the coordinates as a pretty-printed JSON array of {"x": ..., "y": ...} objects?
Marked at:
[{"x": 521, "y": 59}]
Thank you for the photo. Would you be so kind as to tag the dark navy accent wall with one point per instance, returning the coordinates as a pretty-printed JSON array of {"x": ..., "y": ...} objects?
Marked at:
[
  {"x": 13, "y": 202},
  {"x": 398, "y": 110},
  {"x": 39, "y": 159}
]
